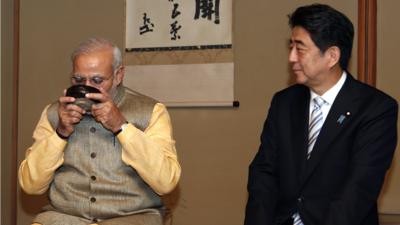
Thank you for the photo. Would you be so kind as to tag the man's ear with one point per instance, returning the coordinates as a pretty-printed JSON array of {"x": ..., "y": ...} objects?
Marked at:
[
  {"x": 333, "y": 55},
  {"x": 119, "y": 75}
]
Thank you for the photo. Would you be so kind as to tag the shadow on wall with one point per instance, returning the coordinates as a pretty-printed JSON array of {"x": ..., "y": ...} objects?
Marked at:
[
  {"x": 171, "y": 201},
  {"x": 32, "y": 204}
]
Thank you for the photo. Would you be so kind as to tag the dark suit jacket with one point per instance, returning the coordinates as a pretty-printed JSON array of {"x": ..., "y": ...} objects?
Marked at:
[{"x": 340, "y": 183}]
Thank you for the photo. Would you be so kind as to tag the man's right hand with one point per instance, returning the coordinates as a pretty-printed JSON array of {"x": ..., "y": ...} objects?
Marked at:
[{"x": 69, "y": 115}]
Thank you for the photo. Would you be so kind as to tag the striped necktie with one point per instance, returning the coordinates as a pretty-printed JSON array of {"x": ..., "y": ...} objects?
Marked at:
[
  {"x": 315, "y": 124},
  {"x": 313, "y": 130},
  {"x": 297, "y": 220}
]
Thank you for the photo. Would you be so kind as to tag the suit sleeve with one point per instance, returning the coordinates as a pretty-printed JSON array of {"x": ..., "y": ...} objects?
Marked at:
[
  {"x": 262, "y": 181},
  {"x": 372, "y": 154}
]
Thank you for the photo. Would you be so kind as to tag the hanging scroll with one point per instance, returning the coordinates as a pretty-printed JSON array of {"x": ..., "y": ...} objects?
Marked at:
[{"x": 180, "y": 51}]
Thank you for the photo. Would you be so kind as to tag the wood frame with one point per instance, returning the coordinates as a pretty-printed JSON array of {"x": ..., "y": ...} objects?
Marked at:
[
  {"x": 14, "y": 144},
  {"x": 367, "y": 41}
]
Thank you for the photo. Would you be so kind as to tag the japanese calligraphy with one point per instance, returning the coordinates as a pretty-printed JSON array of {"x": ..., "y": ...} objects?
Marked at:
[
  {"x": 206, "y": 9},
  {"x": 175, "y": 27},
  {"x": 146, "y": 25},
  {"x": 175, "y": 12},
  {"x": 174, "y": 30},
  {"x": 170, "y": 24}
]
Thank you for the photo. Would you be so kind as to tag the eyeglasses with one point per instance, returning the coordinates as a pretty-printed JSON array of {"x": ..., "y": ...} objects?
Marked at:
[{"x": 97, "y": 80}]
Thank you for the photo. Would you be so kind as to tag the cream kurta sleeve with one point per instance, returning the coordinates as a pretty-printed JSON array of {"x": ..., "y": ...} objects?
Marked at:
[
  {"x": 152, "y": 153},
  {"x": 42, "y": 158}
]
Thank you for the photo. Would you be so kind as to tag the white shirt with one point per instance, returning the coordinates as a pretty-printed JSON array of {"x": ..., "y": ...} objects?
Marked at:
[{"x": 329, "y": 97}]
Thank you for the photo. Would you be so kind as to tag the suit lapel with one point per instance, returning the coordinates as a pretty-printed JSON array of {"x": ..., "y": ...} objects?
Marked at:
[
  {"x": 337, "y": 119},
  {"x": 300, "y": 112}
]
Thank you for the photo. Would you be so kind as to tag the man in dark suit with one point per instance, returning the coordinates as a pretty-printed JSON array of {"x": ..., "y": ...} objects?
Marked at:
[{"x": 328, "y": 140}]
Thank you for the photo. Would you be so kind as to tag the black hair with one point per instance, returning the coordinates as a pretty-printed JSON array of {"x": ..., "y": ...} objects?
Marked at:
[{"x": 327, "y": 27}]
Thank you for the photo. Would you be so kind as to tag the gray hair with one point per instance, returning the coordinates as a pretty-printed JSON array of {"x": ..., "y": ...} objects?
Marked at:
[{"x": 97, "y": 43}]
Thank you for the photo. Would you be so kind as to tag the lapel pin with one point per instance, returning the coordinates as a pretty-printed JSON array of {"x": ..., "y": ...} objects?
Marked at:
[{"x": 341, "y": 118}]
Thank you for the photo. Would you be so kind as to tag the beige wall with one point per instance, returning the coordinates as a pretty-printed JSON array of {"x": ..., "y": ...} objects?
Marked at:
[
  {"x": 389, "y": 81},
  {"x": 215, "y": 145}
]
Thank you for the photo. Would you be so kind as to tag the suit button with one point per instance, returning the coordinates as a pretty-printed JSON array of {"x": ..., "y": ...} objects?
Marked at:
[
  {"x": 93, "y": 129},
  {"x": 93, "y": 155},
  {"x": 93, "y": 199},
  {"x": 93, "y": 178},
  {"x": 94, "y": 220},
  {"x": 300, "y": 199}
]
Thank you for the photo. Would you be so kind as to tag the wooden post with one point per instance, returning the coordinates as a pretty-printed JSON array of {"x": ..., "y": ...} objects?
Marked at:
[{"x": 367, "y": 31}]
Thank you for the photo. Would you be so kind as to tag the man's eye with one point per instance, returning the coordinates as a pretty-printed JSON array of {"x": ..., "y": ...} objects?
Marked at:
[
  {"x": 300, "y": 49},
  {"x": 97, "y": 80},
  {"x": 78, "y": 79}
]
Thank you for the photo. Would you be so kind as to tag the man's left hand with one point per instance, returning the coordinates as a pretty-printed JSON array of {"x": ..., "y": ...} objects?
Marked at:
[{"x": 106, "y": 112}]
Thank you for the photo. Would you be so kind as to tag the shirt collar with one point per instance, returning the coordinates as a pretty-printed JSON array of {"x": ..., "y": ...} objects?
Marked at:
[{"x": 330, "y": 95}]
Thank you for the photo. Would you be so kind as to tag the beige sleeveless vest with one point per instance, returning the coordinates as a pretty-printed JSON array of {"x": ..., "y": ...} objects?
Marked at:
[{"x": 94, "y": 183}]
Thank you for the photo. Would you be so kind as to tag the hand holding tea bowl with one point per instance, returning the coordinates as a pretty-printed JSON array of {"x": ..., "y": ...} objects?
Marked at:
[
  {"x": 79, "y": 93},
  {"x": 72, "y": 107}
]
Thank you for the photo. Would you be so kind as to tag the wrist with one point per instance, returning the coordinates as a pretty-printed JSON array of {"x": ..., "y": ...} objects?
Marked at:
[
  {"x": 62, "y": 135},
  {"x": 122, "y": 127}
]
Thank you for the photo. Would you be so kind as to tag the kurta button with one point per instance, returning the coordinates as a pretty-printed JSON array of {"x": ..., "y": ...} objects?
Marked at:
[
  {"x": 93, "y": 178},
  {"x": 93, "y": 155},
  {"x": 92, "y": 129},
  {"x": 93, "y": 199},
  {"x": 94, "y": 220}
]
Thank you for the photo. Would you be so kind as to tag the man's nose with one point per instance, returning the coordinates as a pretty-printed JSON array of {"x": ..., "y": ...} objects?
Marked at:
[
  {"x": 293, "y": 55},
  {"x": 88, "y": 82}
]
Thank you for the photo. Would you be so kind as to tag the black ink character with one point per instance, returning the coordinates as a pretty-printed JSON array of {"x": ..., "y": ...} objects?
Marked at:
[
  {"x": 207, "y": 8},
  {"x": 174, "y": 30},
  {"x": 175, "y": 11},
  {"x": 146, "y": 25}
]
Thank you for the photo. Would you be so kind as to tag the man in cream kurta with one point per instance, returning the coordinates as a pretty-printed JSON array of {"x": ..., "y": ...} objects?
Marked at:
[{"x": 106, "y": 165}]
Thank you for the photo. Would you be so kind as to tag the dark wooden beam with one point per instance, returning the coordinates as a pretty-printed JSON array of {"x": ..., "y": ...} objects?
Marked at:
[
  {"x": 14, "y": 150},
  {"x": 367, "y": 31}
]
